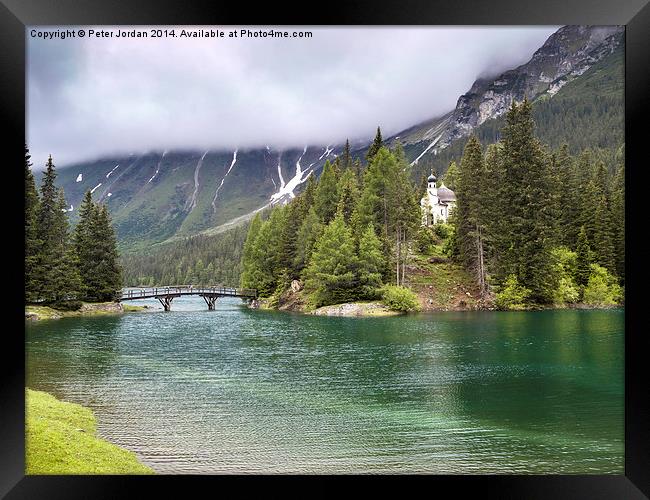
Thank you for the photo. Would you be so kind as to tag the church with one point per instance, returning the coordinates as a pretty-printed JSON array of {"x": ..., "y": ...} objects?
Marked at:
[{"x": 437, "y": 203}]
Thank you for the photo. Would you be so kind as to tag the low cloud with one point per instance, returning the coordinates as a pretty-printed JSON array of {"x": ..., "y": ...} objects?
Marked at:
[{"x": 92, "y": 97}]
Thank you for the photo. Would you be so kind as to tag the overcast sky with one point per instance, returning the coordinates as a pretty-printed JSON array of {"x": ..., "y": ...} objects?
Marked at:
[{"x": 91, "y": 97}]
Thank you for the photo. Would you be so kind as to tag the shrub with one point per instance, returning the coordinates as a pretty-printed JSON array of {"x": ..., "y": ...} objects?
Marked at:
[
  {"x": 425, "y": 240},
  {"x": 66, "y": 305},
  {"x": 399, "y": 298},
  {"x": 565, "y": 289},
  {"x": 512, "y": 295},
  {"x": 442, "y": 230},
  {"x": 601, "y": 289}
]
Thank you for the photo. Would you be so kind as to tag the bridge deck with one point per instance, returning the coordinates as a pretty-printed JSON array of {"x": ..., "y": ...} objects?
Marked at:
[{"x": 177, "y": 291}]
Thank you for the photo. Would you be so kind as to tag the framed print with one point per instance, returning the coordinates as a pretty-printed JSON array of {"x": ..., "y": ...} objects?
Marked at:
[{"x": 389, "y": 240}]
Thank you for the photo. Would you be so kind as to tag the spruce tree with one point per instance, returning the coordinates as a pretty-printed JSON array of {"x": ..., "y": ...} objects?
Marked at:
[
  {"x": 107, "y": 261},
  {"x": 526, "y": 192},
  {"x": 618, "y": 221},
  {"x": 326, "y": 195},
  {"x": 31, "y": 237},
  {"x": 374, "y": 147},
  {"x": 309, "y": 232},
  {"x": 330, "y": 275},
  {"x": 57, "y": 277},
  {"x": 371, "y": 264},
  {"x": 471, "y": 212},
  {"x": 583, "y": 259},
  {"x": 348, "y": 190}
]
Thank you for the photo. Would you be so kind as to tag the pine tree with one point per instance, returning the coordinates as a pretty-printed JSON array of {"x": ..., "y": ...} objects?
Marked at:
[
  {"x": 618, "y": 221},
  {"x": 471, "y": 212},
  {"x": 526, "y": 194},
  {"x": 309, "y": 232},
  {"x": 583, "y": 259},
  {"x": 84, "y": 243},
  {"x": 346, "y": 157},
  {"x": 31, "y": 237},
  {"x": 371, "y": 264},
  {"x": 56, "y": 277},
  {"x": 330, "y": 275},
  {"x": 249, "y": 262},
  {"x": 107, "y": 279},
  {"x": 326, "y": 196},
  {"x": 374, "y": 147},
  {"x": 451, "y": 176},
  {"x": 348, "y": 190}
]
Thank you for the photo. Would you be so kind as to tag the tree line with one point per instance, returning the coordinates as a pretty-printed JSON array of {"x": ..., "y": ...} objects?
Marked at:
[
  {"x": 64, "y": 265},
  {"x": 198, "y": 260},
  {"x": 537, "y": 225},
  {"x": 345, "y": 236}
]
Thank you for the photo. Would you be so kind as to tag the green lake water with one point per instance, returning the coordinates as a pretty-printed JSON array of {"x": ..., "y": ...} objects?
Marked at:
[{"x": 241, "y": 391}]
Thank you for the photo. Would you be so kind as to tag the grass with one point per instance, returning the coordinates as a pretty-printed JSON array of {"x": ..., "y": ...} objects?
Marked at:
[
  {"x": 132, "y": 308},
  {"x": 93, "y": 309},
  {"x": 61, "y": 439},
  {"x": 448, "y": 282}
]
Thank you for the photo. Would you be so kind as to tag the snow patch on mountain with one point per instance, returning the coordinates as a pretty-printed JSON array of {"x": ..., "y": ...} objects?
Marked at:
[
  {"x": 286, "y": 191},
  {"x": 232, "y": 164},
  {"x": 435, "y": 141},
  {"x": 80, "y": 178},
  {"x": 196, "y": 182},
  {"x": 109, "y": 174},
  {"x": 93, "y": 189},
  {"x": 158, "y": 167}
]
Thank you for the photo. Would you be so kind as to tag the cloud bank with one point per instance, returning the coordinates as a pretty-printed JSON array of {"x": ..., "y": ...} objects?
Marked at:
[{"x": 93, "y": 97}]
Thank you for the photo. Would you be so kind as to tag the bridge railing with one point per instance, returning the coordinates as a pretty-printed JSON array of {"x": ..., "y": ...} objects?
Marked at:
[{"x": 135, "y": 293}]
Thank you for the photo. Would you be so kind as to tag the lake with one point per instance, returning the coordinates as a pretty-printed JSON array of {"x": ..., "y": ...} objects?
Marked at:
[{"x": 242, "y": 391}]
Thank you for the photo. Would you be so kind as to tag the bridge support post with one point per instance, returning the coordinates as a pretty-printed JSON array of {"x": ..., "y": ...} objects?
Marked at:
[
  {"x": 166, "y": 302},
  {"x": 210, "y": 300}
]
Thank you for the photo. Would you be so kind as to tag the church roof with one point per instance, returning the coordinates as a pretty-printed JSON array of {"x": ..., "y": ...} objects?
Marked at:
[
  {"x": 445, "y": 194},
  {"x": 431, "y": 178}
]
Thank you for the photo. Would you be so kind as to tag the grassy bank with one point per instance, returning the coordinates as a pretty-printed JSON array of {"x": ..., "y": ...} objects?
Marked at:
[
  {"x": 35, "y": 312},
  {"x": 61, "y": 439}
]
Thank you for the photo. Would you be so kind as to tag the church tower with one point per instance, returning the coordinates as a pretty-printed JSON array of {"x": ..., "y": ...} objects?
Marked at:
[{"x": 432, "y": 190}]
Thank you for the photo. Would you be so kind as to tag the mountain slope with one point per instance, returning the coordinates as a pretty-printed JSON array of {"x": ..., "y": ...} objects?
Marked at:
[
  {"x": 156, "y": 196},
  {"x": 565, "y": 56}
]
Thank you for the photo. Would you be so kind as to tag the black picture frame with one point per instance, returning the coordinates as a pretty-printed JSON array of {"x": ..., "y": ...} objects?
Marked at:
[{"x": 634, "y": 14}]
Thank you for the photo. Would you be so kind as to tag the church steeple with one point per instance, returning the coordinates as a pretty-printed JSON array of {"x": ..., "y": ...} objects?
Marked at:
[{"x": 431, "y": 183}]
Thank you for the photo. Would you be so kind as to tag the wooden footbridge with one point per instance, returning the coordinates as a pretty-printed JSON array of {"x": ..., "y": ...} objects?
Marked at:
[{"x": 166, "y": 294}]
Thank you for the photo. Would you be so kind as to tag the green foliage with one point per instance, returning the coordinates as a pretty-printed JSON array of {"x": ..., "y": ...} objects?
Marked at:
[
  {"x": 31, "y": 233},
  {"x": 583, "y": 259},
  {"x": 56, "y": 277},
  {"x": 512, "y": 295},
  {"x": 96, "y": 255},
  {"x": 399, "y": 298},
  {"x": 330, "y": 275},
  {"x": 326, "y": 196},
  {"x": 442, "y": 230},
  {"x": 374, "y": 147},
  {"x": 602, "y": 288},
  {"x": 425, "y": 240},
  {"x": 566, "y": 290},
  {"x": 67, "y": 305},
  {"x": 371, "y": 264},
  {"x": 177, "y": 262}
]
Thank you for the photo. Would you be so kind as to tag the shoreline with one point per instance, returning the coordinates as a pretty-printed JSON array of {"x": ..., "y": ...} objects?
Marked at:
[
  {"x": 35, "y": 312},
  {"x": 61, "y": 438},
  {"x": 366, "y": 309}
]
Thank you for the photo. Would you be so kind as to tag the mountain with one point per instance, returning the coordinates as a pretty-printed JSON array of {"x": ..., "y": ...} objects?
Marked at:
[
  {"x": 159, "y": 195},
  {"x": 575, "y": 81},
  {"x": 565, "y": 56}
]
